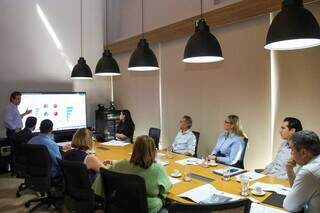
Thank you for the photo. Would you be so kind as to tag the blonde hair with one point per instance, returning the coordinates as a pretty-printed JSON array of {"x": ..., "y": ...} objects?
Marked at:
[
  {"x": 144, "y": 152},
  {"x": 237, "y": 126},
  {"x": 82, "y": 139}
]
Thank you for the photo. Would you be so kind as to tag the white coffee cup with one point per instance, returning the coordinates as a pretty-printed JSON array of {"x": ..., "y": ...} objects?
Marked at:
[{"x": 258, "y": 190}]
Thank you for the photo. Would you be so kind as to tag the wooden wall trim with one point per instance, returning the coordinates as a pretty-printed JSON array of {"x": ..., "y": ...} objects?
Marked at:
[{"x": 236, "y": 12}]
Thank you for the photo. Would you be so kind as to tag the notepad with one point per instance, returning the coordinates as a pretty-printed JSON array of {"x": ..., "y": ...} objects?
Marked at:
[
  {"x": 189, "y": 161},
  {"x": 115, "y": 143},
  {"x": 275, "y": 200},
  {"x": 278, "y": 188},
  {"x": 207, "y": 193},
  {"x": 201, "y": 178},
  {"x": 251, "y": 176},
  {"x": 233, "y": 171},
  {"x": 258, "y": 208}
]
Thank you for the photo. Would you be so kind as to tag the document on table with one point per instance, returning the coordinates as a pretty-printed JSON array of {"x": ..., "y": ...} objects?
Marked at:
[
  {"x": 115, "y": 143},
  {"x": 278, "y": 188},
  {"x": 232, "y": 170},
  {"x": 174, "y": 180},
  {"x": 190, "y": 161},
  {"x": 163, "y": 163},
  {"x": 258, "y": 208},
  {"x": 250, "y": 175},
  {"x": 208, "y": 194},
  {"x": 64, "y": 143}
]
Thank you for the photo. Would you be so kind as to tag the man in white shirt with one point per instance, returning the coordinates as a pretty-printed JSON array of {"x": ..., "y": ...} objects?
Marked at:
[
  {"x": 185, "y": 141},
  {"x": 277, "y": 167},
  {"x": 305, "y": 193}
]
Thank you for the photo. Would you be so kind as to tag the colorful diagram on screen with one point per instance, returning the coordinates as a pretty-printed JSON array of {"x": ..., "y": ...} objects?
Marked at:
[{"x": 67, "y": 111}]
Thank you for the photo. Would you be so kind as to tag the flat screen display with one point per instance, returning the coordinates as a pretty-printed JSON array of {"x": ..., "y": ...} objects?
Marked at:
[{"x": 66, "y": 110}]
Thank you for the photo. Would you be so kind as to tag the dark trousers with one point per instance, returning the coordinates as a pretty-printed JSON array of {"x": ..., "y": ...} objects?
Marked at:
[{"x": 10, "y": 132}]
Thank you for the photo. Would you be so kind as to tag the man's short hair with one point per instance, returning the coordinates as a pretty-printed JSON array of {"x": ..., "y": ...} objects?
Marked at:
[
  {"x": 31, "y": 122},
  {"x": 188, "y": 120},
  {"x": 293, "y": 123},
  {"x": 307, "y": 140},
  {"x": 46, "y": 126},
  {"x": 14, "y": 95}
]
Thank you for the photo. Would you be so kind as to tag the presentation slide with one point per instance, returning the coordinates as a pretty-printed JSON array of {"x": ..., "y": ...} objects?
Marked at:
[{"x": 65, "y": 110}]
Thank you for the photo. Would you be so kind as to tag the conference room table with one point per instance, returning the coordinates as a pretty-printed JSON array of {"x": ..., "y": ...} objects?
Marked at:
[{"x": 104, "y": 152}]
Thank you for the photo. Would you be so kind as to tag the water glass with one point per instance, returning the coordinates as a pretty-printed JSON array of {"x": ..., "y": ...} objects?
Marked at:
[
  {"x": 169, "y": 153},
  {"x": 186, "y": 174},
  {"x": 205, "y": 162},
  {"x": 244, "y": 181},
  {"x": 226, "y": 174}
]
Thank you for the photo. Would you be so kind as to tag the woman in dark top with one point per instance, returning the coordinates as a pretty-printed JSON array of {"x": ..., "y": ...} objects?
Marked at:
[
  {"x": 125, "y": 128},
  {"x": 82, "y": 144}
]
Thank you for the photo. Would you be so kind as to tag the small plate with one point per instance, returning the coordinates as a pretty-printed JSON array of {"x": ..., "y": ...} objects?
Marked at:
[
  {"x": 175, "y": 175},
  {"x": 258, "y": 194},
  {"x": 213, "y": 164}
]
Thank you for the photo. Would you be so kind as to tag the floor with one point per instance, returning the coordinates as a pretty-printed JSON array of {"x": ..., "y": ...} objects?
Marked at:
[{"x": 8, "y": 201}]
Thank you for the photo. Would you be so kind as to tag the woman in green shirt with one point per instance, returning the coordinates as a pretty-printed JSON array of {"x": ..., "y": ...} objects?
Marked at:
[{"x": 143, "y": 163}]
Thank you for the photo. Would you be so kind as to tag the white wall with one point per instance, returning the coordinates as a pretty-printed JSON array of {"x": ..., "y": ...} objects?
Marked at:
[
  {"x": 30, "y": 59},
  {"x": 125, "y": 15}
]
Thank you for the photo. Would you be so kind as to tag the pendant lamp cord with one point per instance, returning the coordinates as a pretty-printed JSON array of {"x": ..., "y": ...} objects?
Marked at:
[
  {"x": 106, "y": 25},
  {"x": 81, "y": 27},
  {"x": 142, "y": 23},
  {"x": 201, "y": 10}
]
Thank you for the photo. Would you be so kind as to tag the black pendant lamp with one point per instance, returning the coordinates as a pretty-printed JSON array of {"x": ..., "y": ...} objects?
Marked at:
[
  {"x": 293, "y": 28},
  {"x": 202, "y": 47},
  {"x": 143, "y": 58},
  {"x": 107, "y": 65},
  {"x": 81, "y": 70}
]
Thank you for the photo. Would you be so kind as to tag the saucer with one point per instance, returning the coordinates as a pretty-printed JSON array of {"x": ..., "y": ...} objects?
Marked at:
[
  {"x": 175, "y": 175},
  {"x": 262, "y": 193},
  {"x": 213, "y": 164}
]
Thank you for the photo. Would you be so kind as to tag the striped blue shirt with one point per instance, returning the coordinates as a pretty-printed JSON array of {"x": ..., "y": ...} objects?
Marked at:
[
  {"x": 230, "y": 147},
  {"x": 12, "y": 117},
  {"x": 184, "y": 142}
]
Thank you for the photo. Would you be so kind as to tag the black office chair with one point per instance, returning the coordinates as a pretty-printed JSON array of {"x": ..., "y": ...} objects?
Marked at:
[
  {"x": 79, "y": 197},
  {"x": 18, "y": 162},
  {"x": 155, "y": 134},
  {"x": 240, "y": 163},
  {"x": 229, "y": 207},
  {"x": 5, "y": 155},
  {"x": 38, "y": 175},
  {"x": 197, "y": 134},
  {"x": 124, "y": 193}
]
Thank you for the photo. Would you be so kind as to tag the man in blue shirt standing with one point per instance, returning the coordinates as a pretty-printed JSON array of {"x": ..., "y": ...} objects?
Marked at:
[
  {"x": 46, "y": 138},
  {"x": 12, "y": 117}
]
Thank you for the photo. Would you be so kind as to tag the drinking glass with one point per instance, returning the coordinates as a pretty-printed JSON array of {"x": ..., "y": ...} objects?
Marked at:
[
  {"x": 186, "y": 174},
  {"x": 244, "y": 181},
  {"x": 226, "y": 174},
  {"x": 169, "y": 153}
]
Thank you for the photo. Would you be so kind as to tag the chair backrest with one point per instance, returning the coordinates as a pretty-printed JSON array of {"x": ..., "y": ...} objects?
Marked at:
[
  {"x": 155, "y": 134},
  {"x": 38, "y": 167},
  {"x": 229, "y": 207},
  {"x": 240, "y": 162},
  {"x": 124, "y": 193},
  {"x": 197, "y": 134},
  {"x": 18, "y": 156},
  {"x": 77, "y": 186},
  {"x": 17, "y": 149}
]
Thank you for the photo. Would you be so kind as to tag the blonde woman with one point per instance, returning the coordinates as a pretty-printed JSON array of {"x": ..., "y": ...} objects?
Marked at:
[
  {"x": 230, "y": 143},
  {"x": 81, "y": 144},
  {"x": 142, "y": 163}
]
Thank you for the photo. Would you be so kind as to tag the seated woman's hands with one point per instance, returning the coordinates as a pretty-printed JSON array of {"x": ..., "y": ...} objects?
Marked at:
[{"x": 66, "y": 147}]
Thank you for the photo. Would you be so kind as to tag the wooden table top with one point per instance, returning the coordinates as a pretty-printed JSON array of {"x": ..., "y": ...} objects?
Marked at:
[{"x": 232, "y": 186}]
